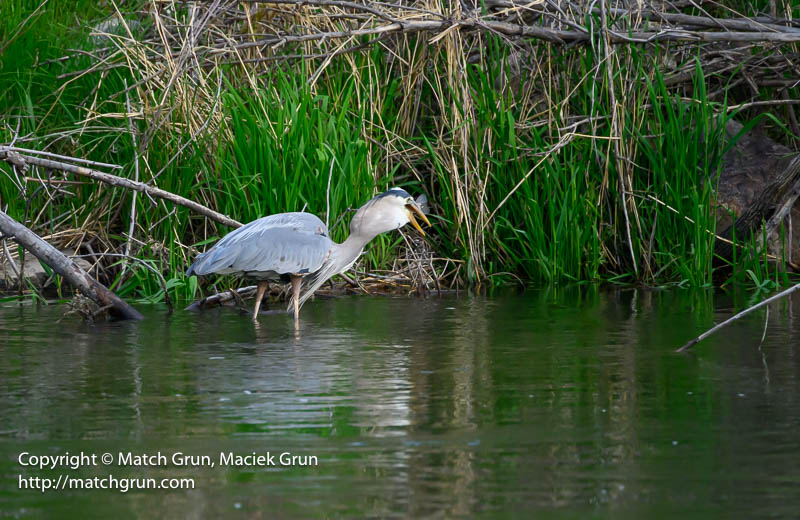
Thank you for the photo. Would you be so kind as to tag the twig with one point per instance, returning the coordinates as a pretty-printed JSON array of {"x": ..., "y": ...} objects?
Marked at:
[
  {"x": 57, "y": 156},
  {"x": 771, "y": 102},
  {"x": 330, "y": 3},
  {"x": 735, "y": 317},
  {"x": 287, "y": 57},
  {"x": 11, "y": 261},
  {"x": 741, "y": 24},
  {"x": 135, "y": 175},
  {"x": 101, "y": 310}
]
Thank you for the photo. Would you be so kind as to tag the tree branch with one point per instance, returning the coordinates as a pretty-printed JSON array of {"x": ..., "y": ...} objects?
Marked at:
[
  {"x": 71, "y": 272},
  {"x": 123, "y": 183}
]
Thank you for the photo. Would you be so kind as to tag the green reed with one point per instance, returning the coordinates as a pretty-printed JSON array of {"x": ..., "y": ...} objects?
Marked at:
[{"x": 507, "y": 200}]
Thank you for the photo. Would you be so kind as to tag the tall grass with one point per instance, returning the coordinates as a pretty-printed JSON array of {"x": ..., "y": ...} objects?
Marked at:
[
  {"x": 528, "y": 177},
  {"x": 682, "y": 150}
]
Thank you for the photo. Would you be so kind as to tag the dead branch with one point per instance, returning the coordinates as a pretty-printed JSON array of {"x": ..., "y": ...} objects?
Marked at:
[
  {"x": 708, "y": 22},
  {"x": 58, "y": 156},
  {"x": 76, "y": 276},
  {"x": 222, "y": 298},
  {"x": 555, "y": 36},
  {"x": 735, "y": 317},
  {"x": 122, "y": 182}
]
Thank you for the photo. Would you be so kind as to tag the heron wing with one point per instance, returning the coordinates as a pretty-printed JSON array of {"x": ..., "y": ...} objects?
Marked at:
[{"x": 287, "y": 243}]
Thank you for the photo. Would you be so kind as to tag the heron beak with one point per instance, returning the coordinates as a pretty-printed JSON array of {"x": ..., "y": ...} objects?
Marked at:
[{"x": 413, "y": 209}]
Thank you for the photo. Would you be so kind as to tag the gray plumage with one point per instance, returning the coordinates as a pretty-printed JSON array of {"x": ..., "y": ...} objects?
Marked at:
[
  {"x": 267, "y": 248},
  {"x": 295, "y": 246}
]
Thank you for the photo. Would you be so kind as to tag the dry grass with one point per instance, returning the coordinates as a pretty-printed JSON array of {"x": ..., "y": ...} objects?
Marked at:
[{"x": 524, "y": 122}]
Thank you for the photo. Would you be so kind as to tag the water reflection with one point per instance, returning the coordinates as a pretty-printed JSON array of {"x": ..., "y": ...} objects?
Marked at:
[{"x": 556, "y": 400}]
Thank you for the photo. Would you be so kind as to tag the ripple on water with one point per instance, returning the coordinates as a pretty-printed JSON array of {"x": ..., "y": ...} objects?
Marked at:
[{"x": 564, "y": 400}]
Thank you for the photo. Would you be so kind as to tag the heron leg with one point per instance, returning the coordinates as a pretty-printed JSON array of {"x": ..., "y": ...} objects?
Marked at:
[
  {"x": 262, "y": 288},
  {"x": 296, "y": 282}
]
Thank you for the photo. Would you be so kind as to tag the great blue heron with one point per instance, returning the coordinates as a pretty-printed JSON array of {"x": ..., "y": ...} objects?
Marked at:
[{"x": 295, "y": 247}]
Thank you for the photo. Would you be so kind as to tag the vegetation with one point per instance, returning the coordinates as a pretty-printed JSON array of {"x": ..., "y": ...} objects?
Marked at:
[{"x": 543, "y": 162}]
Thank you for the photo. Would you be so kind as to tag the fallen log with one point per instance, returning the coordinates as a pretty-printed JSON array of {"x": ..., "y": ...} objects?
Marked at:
[
  {"x": 71, "y": 272},
  {"x": 222, "y": 298}
]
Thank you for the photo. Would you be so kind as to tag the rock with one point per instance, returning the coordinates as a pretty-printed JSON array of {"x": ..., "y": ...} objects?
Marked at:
[
  {"x": 34, "y": 272},
  {"x": 753, "y": 162}
]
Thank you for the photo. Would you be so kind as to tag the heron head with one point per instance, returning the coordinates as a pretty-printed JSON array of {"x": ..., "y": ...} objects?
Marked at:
[{"x": 390, "y": 210}]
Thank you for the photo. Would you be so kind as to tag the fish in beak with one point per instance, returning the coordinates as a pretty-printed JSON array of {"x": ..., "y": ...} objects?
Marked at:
[{"x": 413, "y": 209}]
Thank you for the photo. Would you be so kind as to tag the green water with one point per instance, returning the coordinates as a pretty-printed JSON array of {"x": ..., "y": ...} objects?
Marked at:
[{"x": 551, "y": 404}]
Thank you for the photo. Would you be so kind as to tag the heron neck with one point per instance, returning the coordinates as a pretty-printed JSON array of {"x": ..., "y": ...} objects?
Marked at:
[{"x": 351, "y": 248}]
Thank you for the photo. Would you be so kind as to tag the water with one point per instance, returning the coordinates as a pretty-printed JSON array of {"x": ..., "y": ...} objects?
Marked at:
[{"x": 562, "y": 404}]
